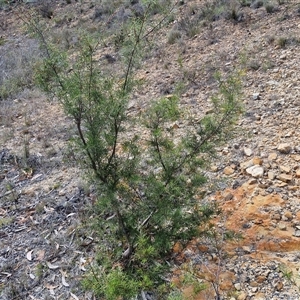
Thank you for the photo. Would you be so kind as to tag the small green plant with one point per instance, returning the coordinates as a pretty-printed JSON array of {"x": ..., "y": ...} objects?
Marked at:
[
  {"x": 26, "y": 152},
  {"x": 146, "y": 175},
  {"x": 245, "y": 2},
  {"x": 173, "y": 36},
  {"x": 39, "y": 271},
  {"x": 233, "y": 14},
  {"x": 175, "y": 295},
  {"x": 270, "y": 7},
  {"x": 2, "y": 41},
  {"x": 282, "y": 42},
  {"x": 5, "y": 221},
  {"x": 267, "y": 65},
  {"x": 190, "y": 278},
  {"x": 46, "y": 9},
  {"x": 257, "y": 4},
  {"x": 253, "y": 64},
  {"x": 3, "y": 3},
  {"x": 270, "y": 39},
  {"x": 11, "y": 195},
  {"x": 287, "y": 274}
]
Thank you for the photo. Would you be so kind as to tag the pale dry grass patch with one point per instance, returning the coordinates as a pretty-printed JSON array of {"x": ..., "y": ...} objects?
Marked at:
[{"x": 17, "y": 60}]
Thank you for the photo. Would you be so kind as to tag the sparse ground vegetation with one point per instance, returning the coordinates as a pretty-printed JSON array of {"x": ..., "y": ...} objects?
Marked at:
[
  {"x": 146, "y": 112},
  {"x": 17, "y": 66}
]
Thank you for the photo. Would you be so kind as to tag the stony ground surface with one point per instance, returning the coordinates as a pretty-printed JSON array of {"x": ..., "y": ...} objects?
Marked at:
[{"x": 44, "y": 252}]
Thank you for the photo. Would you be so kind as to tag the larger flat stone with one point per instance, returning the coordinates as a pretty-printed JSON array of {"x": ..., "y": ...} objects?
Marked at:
[
  {"x": 255, "y": 171},
  {"x": 296, "y": 157},
  {"x": 284, "y": 148},
  {"x": 285, "y": 177},
  {"x": 271, "y": 175}
]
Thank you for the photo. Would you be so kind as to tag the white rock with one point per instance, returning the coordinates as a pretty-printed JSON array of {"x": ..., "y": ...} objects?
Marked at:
[
  {"x": 248, "y": 151},
  {"x": 255, "y": 96},
  {"x": 255, "y": 171}
]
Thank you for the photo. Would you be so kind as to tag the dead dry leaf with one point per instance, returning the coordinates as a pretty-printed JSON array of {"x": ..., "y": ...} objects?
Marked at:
[
  {"x": 74, "y": 296},
  {"x": 50, "y": 286},
  {"x": 82, "y": 264},
  {"x": 63, "y": 280},
  {"x": 51, "y": 267},
  {"x": 29, "y": 255}
]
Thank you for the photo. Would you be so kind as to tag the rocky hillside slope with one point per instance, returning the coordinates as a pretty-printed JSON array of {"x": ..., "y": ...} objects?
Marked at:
[{"x": 44, "y": 251}]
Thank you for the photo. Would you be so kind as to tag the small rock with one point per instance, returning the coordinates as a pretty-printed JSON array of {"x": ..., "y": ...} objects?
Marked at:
[
  {"x": 298, "y": 173},
  {"x": 297, "y": 148},
  {"x": 62, "y": 193},
  {"x": 282, "y": 226},
  {"x": 285, "y": 169},
  {"x": 252, "y": 181},
  {"x": 246, "y": 249},
  {"x": 237, "y": 286},
  {"x": 228, "y": 171},
  {"x": 236, "y": 184},
  {"x": 296, "y": 157},
  {"x": 261, "y": 278},
  {"x": 177, "y": 248},
  {"x": 272, "y": 156},
  {"x": 214, "y": 168},
  {"x": 256, "y": 96},
  {"x": 225, "y": 151},
  {"x": 255, "y": 171},
  {"x": 297, "y": 233},
  {"x": 263, "y": 185},
  {"x": 293, "y": 188},
  {"x": 248, "y": 151},
  {"x": 257, "y": 161},
  {"x": 276, "y": 216},
  {"x": 242, "y": 296},
  {"x": 259, "y": 296},
  {"x": 283, "y": 56},
  {"x": 279, "y": 286},
  {"x": 284, "y": 148},
  {"x": 288, "y": 215},
  {"x": 228, "y": 196},
  {"x": 285, "y": 177},
  {"x": 281, "y": 184},
  {"x": 271, "y": 175},
  {"x": 258, "y": 221}
]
